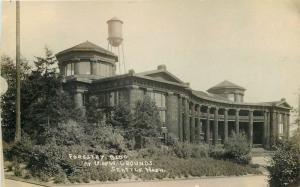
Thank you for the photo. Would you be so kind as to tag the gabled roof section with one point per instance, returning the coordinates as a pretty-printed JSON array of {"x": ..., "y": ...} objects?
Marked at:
[
  {"x": 282, "y": 104},
  {"x": 161, "y": 74},
  {"x": 226, "y": 84},
  {"x": 87, "y": 46}
]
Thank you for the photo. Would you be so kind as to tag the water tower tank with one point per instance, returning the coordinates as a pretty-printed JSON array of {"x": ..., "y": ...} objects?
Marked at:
[{"x": 115, "y": 32}]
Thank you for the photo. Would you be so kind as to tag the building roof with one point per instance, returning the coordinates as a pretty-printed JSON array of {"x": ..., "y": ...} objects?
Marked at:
[
  {"x": 226, "y": 84},
  {"x": 87, "y": 46},
  {"x": 161, "y": 75},
  {"x": 115, "y": 19}
]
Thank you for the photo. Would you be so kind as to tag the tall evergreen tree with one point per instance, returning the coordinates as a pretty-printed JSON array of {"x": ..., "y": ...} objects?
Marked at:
[
  {"x": 146, "y": 122},
  {"x": 43, "y": 102}
]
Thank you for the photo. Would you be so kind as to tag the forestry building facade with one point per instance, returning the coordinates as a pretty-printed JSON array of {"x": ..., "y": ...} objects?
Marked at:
[{"x": 187, "y": 114}]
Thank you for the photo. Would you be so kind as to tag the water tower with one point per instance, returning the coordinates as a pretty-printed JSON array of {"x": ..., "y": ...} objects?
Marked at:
[{"x": 115, "y": 40}]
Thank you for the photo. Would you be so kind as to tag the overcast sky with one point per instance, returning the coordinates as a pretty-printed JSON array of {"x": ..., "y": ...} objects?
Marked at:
[{"x": 253, "y": 43}]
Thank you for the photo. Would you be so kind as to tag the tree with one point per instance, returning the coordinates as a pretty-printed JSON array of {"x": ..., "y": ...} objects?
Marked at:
[
  {"x": 43, "y": 101},
  {"x": 94, "y": 112},
  {"x": 146, "y": 122},
  {"x": 47, "y": 104},
  {"x": 285, "y": 164},
  {"x": 121, "y": 115},
  {"x": 8, "y": 100}
]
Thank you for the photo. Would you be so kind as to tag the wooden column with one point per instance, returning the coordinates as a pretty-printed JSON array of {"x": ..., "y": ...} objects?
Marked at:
[
  {"x": 200, "y": 123},
  {"x": 288, "y": 125},
  {"x": 171, "y": 117},
  {"x": 216, "y": 120},
  {"x": 225, "y": 124},
  {"x": 192, "y": 133},
  {"x": 266, "y": 136},
  {"x": 237, "y": 121},
  {"x": 278, "y": 124},
  {"x": 207, "y": 137},
  {"x": 284, "y": 121},
  {"x": 76, "y": 66},
  {"x": 198, "y": 127},
  {"x": 186, "y": 121},
  {"x": 250, "y": 130},
  {"x": 273, "y": 127},
  {"x": 180, "y": 119}
]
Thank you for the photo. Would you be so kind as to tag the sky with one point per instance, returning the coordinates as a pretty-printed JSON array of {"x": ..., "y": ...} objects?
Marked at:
[{"x": 253, "y": 43}]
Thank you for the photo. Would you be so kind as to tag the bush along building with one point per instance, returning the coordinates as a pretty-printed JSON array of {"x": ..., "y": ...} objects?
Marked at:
[{"x": 187, "y": 114}]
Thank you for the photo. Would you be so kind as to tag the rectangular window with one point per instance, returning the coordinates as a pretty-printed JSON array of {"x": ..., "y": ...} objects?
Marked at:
[
  {"x": 231, "y": 97},
  {"x": 102, "y": 70},
  {"x": 84, "y": 68},
  {"x": 69, "y": 69}
]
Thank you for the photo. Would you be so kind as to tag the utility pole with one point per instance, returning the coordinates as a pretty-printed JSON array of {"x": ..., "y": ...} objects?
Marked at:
[
  {"x": 299, "y": 108},
  {"x": 18, "y": 98}
]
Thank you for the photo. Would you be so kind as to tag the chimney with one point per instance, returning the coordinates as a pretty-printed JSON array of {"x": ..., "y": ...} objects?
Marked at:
[{"x": 162, "y": 67}]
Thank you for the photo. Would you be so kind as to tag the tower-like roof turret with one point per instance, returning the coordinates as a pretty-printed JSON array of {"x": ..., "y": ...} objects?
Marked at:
[
  {"x": 86, "y": 46},
  {"x": 226, "y": 85}
]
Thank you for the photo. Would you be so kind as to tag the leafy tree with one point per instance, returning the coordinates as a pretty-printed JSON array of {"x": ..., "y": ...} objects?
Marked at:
[
  {"x": 146, "y": 122},
  {"x": 121, "y": 120},
  {"x": 64, "y": 134},
  {"x": 285, "y": 164},
  {"x": 8, "y": 107},
  {"x": 121, "y": 116}
]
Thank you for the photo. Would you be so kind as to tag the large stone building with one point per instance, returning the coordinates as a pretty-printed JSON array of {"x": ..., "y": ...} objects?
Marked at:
[{"x": 187, "y": 114}]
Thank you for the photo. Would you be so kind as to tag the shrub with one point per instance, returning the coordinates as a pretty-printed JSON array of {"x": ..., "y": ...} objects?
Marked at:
[
  {"x": 200, "y": 151},
  {"x": 285, "y": 164},
  {"x": 187, "y": 150},
  {"x": 60, "y": 178},
  {"x": 27, "y": 176},
  {"x": 217, "y": 151},
  {"x": 183, "y": 150},
  {"x": 17, "y": 170},
  {"x": 178, "y": 167},
  {"x": 237, "y": 149}
]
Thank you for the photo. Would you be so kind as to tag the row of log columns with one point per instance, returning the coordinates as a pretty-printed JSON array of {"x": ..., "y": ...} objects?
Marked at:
[{"x": 190, "y": 126}]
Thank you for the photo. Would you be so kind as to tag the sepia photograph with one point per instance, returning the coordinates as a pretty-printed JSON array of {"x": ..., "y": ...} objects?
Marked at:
[{"x": 150, "y": 93}]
